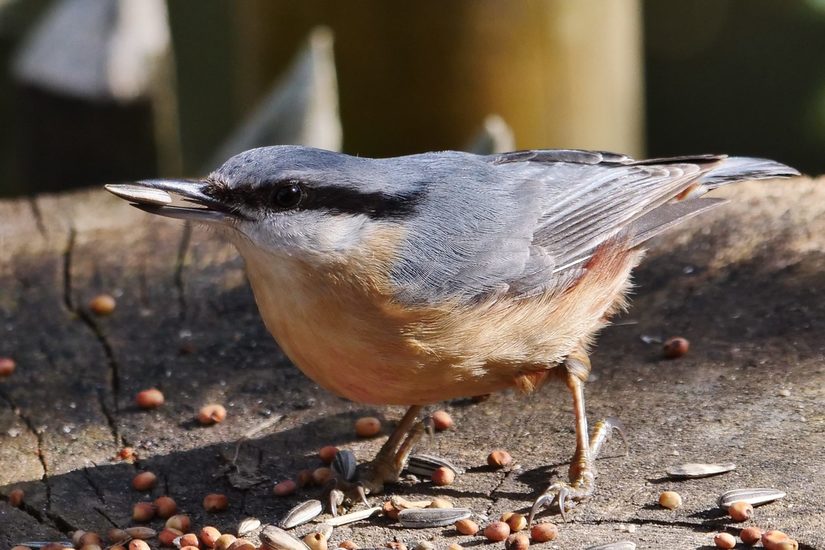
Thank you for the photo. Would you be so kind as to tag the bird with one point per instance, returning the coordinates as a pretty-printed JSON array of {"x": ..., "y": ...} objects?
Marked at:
[{"x": 428, "y": 277}]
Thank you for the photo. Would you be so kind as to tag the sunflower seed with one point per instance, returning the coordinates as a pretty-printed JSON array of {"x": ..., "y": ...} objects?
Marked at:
[
  {"x": 140, "y": 195},
  {"x": 247, "y": 525},
  {"x": 754, "y": 497},
  {"x": 694, "y": 470},
  {"x": 42, "y": 543},
  {"x": 425, "y": 465},
  {"x": 274, "y": 538},
  {"x": 302, "y": 513},
  {"x": 421, "y": 518},
  {"x": 352, "y": 517},
  {"x": 621, "y": 545},
  {"x": 345, "y": 465}
]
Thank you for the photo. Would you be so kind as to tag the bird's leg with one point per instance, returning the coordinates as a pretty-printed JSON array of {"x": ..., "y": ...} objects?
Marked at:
[
  {"x": 387, "y": 465},
  {"x": 582, "y": 473}
]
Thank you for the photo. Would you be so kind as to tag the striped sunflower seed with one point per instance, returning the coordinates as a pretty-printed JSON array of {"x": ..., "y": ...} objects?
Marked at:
[
  {"x": 694, "y": 470},
  {"x": 422, "y": 518},
  {"x": 621, "y": 545},
  {"x": 302, "y": 513},
  {"x": 275, "y": 538},
  {"x": 424, "y": 465},
  {"x": 352, "y": 517},
  {"x": 754, "y": 497}
]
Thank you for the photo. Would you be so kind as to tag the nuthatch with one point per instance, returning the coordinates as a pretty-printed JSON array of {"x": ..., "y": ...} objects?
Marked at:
[{"x": 416, "y": 279}]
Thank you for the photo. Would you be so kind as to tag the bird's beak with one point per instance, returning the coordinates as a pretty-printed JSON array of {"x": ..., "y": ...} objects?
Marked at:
[{"x": 172, "y": 198}]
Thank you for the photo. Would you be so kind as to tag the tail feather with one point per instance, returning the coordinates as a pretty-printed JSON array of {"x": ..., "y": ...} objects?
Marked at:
[{"x": 745, "y": 168}]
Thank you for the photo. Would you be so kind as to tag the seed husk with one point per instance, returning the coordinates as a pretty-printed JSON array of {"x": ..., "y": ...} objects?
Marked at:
[
  {"x": 754, "y": 497},
  {"x": 275, "y": 538},
  {"x": 693, "y": 470},
  {"x": 424, "y": 465},
  {"x": 621, "y": 545},
  {"x": 316, "y": 541},
  {"x": 247, "y": 525},
  {"x": 302, "y": 513},
  {"x": 352, "y": 517},
  {"x": 422, "y": 518},
  {"x": 140, "y": 195},
  {"x": 141, "y": 533}
]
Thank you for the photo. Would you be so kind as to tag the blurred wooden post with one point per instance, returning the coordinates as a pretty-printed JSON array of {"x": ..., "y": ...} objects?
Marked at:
[{"x": 423, "y": 75}]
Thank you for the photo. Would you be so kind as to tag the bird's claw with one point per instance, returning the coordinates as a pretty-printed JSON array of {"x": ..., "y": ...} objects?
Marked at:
[{"x": 565, "y": 494}]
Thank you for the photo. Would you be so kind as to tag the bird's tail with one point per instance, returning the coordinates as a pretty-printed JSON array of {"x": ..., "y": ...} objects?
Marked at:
[{"x": 734, "y": 169}]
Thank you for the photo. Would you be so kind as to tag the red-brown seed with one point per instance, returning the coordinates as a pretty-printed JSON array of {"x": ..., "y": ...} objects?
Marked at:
[
  {"x": 466, "y": 527},
  {"x": 224, "y": 542},
  {"x": 90, "y": 538},
  {"x": 284, "y": 488},
  {"x": 543, "y": 532},
  {"x": 16, "y": 497},
  {"x": 773, "y": 540},
  {"x": 241, "y": 544},
  {"x": 168, "y": 535},
  {"x": 675, "y": 347},
  {"x": 367, "y": 426},
  {"x": 327, "y": 453},
  {"x": 102, "y": 304},
  {"x": 518, "y": 541},
  {"x": 390, "y": 510},
  {"x": 321, "y": 475},
  {"x": 348, "y": 545},
  {"x": 516, "y": 521},
  {"x": 143, "y": 512},
  {"x": 670, "y": 500},
  {"x": 497, "y": 531},
  {"x": 443, "y": 476},
  {"x": 724, "y": 540},
  {"x": 138, "y": 544},
  {"x": 211, "y": 414},
  {"x": 117, "y": 535},
  {"x": 190, "y": 539},
  {"x": 127, "y": 453},
  {"x": 149, "y": 399},
  {"x": 7, "y": 366},
  {"x": 750, "y": 535},
  {"x": 191, "y": 548},
  {"x": 740, "y": 511},
  {"x": 442, "y": 420},
  {"x": 209, "y": 535},
  {"x": 166, "y": 507},
  {"x": 499, "y": 458},
  {"x": 215, "y": 502},
  {"x": 304, "y": 478},
  {"x": 144, "y": 481},
  {"x": 181, "y": 522}
]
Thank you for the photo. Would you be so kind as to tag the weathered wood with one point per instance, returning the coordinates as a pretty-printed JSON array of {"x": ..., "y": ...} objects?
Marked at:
[{"x": 744, "y": 284}]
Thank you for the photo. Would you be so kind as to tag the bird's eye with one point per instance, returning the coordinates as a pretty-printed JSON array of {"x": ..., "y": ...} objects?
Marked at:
[{"x": 288, "y": 195}]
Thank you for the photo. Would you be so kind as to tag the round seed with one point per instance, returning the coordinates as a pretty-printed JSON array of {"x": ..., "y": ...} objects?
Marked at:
[
  {"x": 442, "y": 420},
  {"x": 777, "y": 540},
  {"x": 7, "y": 366},
  {"x": 367, "y": 426},
  {"x": 141, "y": 533},
  {"x": 284, "y": 488},
  {"x": 439, "y": 502},
  {"x": 740, "y": 511},
  {"x": 670, "y": 500},
  {"x": 189, "y": 539},
  {"x": 499, "y": 459},
  {"x": 348, "y": 545},
  {"x": 443, "y": 476},
  {"x": 209, "y": 535},
  {"x": 180, "y": 522},
  {"x": 102, "y": 304},
  {"x": 90, "y": 538},
  {"x": 321, "y": 475},
  {"x": 241, "y": 544},
  {"x": 16, "y": 497},
  {"x": 675, "y": 347},
  {"x": 144, "y": 481},
  {"x": 166, "y": 507},
  {"x": 149, "y": 399},
  {"x": 211, "y": 414},
  {"x": 127, "y": 453},
  {"x": 224, "y": 542},
  {"x": 543, "y": 532},
  {"x": 215, "y": 502},
  {"x": 116, "y": 535},
  {"x": 327, "y": 453},
  {"x": 143, "y": 512},
  {"x": 516, "y": 521},
  {"x": 518, "y": 541},
  {"x": 316, "y": 541},
  {"x": 750, "y": 535},
  {"x": 724, "y": 540},
  {"x": 497, "y": 531},
  {"x": 138, "y": 544},
  {"x": 466, "y": 527},
  {"x": 304, "y": 478},
  {"x": 168, "y": 535}
]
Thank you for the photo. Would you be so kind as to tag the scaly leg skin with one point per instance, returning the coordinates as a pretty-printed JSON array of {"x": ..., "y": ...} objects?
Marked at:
[
  {"x": 387, "y": 465},
  {"x": 582, "y": 473}
]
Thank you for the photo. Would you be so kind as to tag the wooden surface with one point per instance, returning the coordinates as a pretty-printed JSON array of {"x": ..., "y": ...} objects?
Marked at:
[{"x": 745, "y": 283}]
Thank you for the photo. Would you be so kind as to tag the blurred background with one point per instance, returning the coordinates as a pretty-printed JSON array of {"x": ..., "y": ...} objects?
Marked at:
[{"x": 95, "y": 91}]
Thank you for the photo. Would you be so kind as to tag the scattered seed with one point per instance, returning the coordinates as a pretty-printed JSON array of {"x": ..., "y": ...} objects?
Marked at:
[
  {"x": 696, "y": 470},
  {"x": 443, "y": 476},
  {"x": 141, "y": 533},
  {"x": 274, "y": 538},
  {"x": 166, "y": 507},
  {"x": 316, "y": 541},
  {"x": 442, "y": 420},
  {"x": 724, "y": 540},
  {"x": 16, "y": 497},
  {"x": 90, "y": 538},
  {"x": 327, "y": 453},
  {"x": 189, "y": 539},
  {"x": 248, "y": 525},
  {"x": 670, "y": 500},
  {"x": 241, "y": 544},
  {"x": 140, "y": 195},
  {"x": 516, "y": 521},
  {"x": 396, "y": 545},
  {"x": 20, "y": 547},
  {"x": 149, "y": 399},
  {"x": 367, "y": 426},
  {"x": 424, "y": 465},
  {"x": 144, "y": 481},
  {"x": 455, "y": 546},
  {"x": 497, "y": 531},
  {"x": 302, "y": 513},
  {"x": 117, "y": 535},
  {"x": 777, "y": 540},
  {"x": 621, "y": 545},
  {"x": 181, "y": 522},
  {"x": 675, "y": 347},
  {"x": 211, "y": 414},
  {"x": 754, "y": 497},
  {"x": 517, "y": 541},
  {"x": 7, "y": 366},
  {"x": 740, "y": 511},
  {"x": 284, "y": 488},
  {"x": 348, "y": 545},
  {"x": 138, "y": 544},
  {"x": 168, "y": 535},
  {"x": 424, "y": 545},
  {"x": 321, "y": 475},
  {"x": 127, "y": 453},
  {"x": 784, "y": 392},
  {"x": 543, "y": 532},
  {"x": 143, "y": 512},
  {"x": 215, "y": 502},
  {"x": 209, "y": 536},
  {"x": 466, "y": 526},
  {"x": 304, "y": 478},
  {"x": 750, "y": 535},
  {"x": 438, "y": 502},
  {"x": 352, "y": 517},
  {"x": 422, "y": 518},
  {"x": 188, "y": 548},
  {"x": 102, "y": 304},
  {"x": 345, "y": 465},
  {"x": 499, "y": 459},
  {"x": 224, "y": 541}
]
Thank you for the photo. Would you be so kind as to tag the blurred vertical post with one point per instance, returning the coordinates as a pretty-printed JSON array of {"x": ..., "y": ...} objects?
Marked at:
[{"x": 423, "y": 75}]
